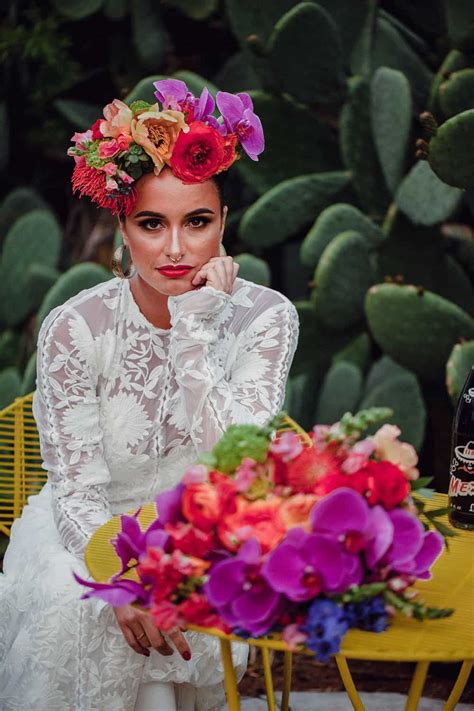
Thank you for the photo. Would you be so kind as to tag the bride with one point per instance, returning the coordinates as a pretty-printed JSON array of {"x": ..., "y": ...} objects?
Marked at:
[{"x": 135, "y": 377}]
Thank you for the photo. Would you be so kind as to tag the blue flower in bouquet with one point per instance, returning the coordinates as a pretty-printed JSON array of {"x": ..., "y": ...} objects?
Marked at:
[
  {"x": 369, "y": 614},
  {"x": 325, "y": 626}
]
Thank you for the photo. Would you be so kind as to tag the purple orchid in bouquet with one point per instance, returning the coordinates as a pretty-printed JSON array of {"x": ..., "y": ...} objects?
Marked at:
[{"x": 266, "y": 536}]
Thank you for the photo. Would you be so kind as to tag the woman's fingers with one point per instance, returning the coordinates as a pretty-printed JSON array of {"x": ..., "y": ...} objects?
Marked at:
[
  {"x": 179, "y": 642},
  {"x": 156, "y": 639},
  {"x": 132, "y": 641},
  {"x": 219, "y": 272}
]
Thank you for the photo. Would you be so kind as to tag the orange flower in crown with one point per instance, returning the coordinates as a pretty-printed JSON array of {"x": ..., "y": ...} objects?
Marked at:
[{"x": 183, "y": 133}]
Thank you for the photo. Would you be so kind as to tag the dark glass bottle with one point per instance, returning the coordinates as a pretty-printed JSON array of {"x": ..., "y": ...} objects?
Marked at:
[{"x": 461, "y": 484}]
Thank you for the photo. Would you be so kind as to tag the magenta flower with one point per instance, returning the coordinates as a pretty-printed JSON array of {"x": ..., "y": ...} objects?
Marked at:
[
  {"x": 168, "y": 505},
  {"x": 413, "y": 550},
  {"x": 239, "y": 118},
  {"x": 241, "y": 594},
  {"x": 304, "y": 565},
  {"x": 121, "y": 592},
  {"x": 174, "y": 94},
  {"x": 346, "y": 515},
  {"x": 131, "y": 542}
]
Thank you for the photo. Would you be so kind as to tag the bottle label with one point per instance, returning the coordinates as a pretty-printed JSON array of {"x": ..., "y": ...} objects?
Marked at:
[{"x": 461, "y": 485}]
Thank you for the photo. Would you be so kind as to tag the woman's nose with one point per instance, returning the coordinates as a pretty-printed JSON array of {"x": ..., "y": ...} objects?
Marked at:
[{"x": 174, "y": 244}]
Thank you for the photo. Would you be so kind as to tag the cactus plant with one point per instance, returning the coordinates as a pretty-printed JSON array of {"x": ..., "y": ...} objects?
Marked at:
[
  {"x": 28, "y": 383},
  {"x": 81, "y": 276},
  {"x": 333, "y": 220},
  {"x": 342, "y": 277},
  {"x": 426, "y": 199},
  {"x": 253, "y": 269},
  {"x": 357, "y": 352},
  {"x": 10, "y": 386},
  {"x": 447, "y": 153},
  {"x": 391, "y": 109},
  {"x": 309, "y": 34},
  {"x": 460, "y": 361},
  {"x": 9, "y": 346},
  {"x": 77, "y": 9},
  {"x": 456, "y": 94},
  {"x": 17, "y": 203},
  {"x": 416, "y": 328},
  {"x": 402, "y": 394},
  {"x": 34, "y": 238},
  {"x": 340, "y": 392},
  {"x": 288, "y": 206}
]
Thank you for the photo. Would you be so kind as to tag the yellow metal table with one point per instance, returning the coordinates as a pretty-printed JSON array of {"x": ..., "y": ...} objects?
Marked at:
[{"x": 447, "y": 640}]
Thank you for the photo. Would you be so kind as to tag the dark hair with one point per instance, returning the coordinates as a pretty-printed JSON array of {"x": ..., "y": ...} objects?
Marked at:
[{"x": 220, "y": 181}]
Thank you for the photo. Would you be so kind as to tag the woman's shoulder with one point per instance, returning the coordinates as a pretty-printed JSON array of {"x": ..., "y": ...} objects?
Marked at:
[
  {"x": 258, "y": 297},
  {"x": 95, "y": 304}
]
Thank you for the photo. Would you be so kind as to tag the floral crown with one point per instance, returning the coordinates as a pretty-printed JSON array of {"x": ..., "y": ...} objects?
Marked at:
[{"x": 142, "y": 138}]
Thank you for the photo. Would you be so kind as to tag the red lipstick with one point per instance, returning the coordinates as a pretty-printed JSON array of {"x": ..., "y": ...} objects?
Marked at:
[{"x": 174, "y": 272}]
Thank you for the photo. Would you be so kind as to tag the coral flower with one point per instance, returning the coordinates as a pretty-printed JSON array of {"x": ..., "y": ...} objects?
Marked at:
[
  {"x": 118, "y": 119},
  {"x": 156, "y": 132},
  {"x": 258, "y": 519},
  {"x": 308, "y": 468},
  {"x": 296, "y": 509}
]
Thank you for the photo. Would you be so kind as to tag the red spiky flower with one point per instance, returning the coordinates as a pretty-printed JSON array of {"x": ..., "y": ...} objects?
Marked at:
[{"x": 92, "y": 182}]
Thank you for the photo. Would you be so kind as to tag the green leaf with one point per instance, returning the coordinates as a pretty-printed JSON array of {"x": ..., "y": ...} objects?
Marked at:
[
  {"x": 77, "y": 9},
  {"x": 424, "y": 198},
  {"x": 288, "y": 206},
  {"x": 80, "y": 114},
  {"x": 196, "y": 9},
  {"x": 421, "y": 482},
  {"x": 391, "y": 115}
]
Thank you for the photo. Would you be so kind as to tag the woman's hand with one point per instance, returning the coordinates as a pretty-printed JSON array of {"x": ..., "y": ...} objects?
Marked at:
[
  {"x": 141, "y": 633},
  {"x": 219, "y": 272}
]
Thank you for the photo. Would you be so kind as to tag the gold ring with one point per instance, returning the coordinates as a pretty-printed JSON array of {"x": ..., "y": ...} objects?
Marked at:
[{"x": 142, "y": 635}]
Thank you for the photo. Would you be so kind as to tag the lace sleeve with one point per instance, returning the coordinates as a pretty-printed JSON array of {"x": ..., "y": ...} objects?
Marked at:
[
  {"x": 252, "y": 388},
  {"x": 66, "y": 410}
]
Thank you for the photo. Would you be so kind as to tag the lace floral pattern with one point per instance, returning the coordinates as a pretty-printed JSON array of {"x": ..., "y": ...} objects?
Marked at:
[{"x": 123, "y": 407}]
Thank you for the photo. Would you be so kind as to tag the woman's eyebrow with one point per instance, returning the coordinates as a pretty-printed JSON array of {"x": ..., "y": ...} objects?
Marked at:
[{"x": 150, "y": 213}]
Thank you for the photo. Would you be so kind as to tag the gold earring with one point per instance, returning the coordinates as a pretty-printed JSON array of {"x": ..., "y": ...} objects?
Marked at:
[{"x": 117, "y": 263}]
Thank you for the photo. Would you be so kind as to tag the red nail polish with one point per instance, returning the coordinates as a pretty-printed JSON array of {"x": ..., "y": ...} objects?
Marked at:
[{"x": 187, "y": 655}]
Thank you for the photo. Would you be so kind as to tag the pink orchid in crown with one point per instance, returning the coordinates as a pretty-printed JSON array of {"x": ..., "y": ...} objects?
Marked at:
[
  {"x": 174, "y": 94},
  {"x": 239, "y": 118}
]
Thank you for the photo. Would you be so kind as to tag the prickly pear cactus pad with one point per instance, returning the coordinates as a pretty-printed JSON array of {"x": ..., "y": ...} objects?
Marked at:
[
  {"x": 450, "y": 150},
  {"x": 415, "y": 327}
]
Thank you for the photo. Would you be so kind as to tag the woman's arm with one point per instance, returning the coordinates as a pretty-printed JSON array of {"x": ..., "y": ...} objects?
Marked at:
[
  {"x": 66, "y": 410},
  {"x": 252, "y": 389}
]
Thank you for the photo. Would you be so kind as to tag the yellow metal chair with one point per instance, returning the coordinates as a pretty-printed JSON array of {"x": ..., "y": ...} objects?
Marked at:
[{"x": 21, "y": 474}]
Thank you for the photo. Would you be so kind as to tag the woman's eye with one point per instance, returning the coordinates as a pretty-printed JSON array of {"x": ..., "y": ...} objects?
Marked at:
[
  {"x": 151, "y": 224},
  {"x": 198, "y": 221}
]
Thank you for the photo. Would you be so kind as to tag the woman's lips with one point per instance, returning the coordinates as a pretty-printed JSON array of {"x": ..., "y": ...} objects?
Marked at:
[{"x": 175, "y": 273}]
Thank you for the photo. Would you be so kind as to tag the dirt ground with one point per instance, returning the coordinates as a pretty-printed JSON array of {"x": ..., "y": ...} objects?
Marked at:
[{"x": 368, "y": 676}]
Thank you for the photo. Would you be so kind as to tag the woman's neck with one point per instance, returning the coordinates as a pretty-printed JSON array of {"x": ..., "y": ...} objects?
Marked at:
[{"x": 152, "y": 304}]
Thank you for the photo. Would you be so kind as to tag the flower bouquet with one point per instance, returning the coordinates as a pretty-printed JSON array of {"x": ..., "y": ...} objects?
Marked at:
[{"x": 274, "y": 532}]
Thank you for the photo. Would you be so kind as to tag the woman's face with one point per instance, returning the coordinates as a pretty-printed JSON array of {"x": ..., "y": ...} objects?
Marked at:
[{"x": 172, "y": 220}]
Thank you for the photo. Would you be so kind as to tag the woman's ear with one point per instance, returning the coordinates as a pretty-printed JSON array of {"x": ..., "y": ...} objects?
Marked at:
[{"x": 225, "y": 210}]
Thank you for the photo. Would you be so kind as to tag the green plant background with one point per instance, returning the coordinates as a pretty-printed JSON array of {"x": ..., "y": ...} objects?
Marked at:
[{"x": 360, "y": 209}]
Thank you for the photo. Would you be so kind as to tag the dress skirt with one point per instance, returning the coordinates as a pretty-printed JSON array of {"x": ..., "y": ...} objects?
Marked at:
[{"x": 61, "y": 653}]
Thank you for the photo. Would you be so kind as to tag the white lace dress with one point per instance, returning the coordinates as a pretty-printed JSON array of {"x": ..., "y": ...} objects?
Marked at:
[{"x": 123, "y": 407}]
